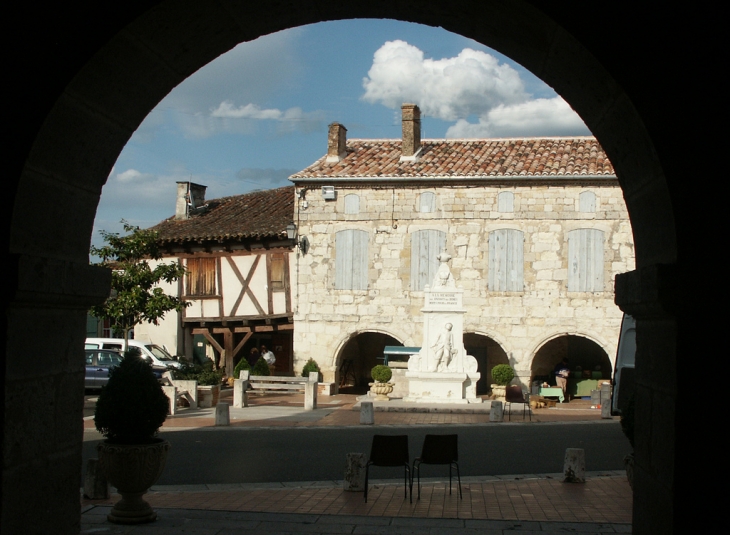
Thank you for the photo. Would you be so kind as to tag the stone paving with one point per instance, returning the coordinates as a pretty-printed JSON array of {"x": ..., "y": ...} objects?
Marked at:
[{"x": 490, "y": 505}]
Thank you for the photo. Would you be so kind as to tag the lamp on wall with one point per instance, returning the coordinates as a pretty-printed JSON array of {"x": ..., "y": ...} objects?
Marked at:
[{"x": 291, "y": 233}]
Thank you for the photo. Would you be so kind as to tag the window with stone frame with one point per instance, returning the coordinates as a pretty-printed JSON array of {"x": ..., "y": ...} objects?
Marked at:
[
  {"x": 200, "y": 276},
  {"x": 425, "y": 247},
  {"x": 351, "y": 260},
  {"x": 506, "y": 260},
  {"x": 585, "y": 260}
]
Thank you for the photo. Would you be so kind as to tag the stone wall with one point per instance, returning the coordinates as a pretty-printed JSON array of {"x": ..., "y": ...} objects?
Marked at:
[{"x": 520, "y": 322}]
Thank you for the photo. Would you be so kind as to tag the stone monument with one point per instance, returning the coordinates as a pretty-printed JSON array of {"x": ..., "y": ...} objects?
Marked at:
[{"x": 442, "y": 372}]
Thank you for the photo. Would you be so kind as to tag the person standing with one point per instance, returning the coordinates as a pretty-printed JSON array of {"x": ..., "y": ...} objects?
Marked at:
[
  {"x": 269, "y": 357},
  {"x": 561, "y": 376}
]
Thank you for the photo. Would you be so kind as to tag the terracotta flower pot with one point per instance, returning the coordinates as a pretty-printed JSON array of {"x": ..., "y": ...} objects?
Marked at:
[
  {"x": 381, "y": 390},
  {"x": 132, "y": 469}
]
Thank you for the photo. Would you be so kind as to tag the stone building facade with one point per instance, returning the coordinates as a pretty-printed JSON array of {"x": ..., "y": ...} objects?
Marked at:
[{"x": 537, "y": 229}]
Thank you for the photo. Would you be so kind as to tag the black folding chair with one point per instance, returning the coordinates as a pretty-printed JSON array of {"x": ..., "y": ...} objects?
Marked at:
[
  {"x": 389, "y": 450},
  {"x": 438, "y": 449},
  {"x": 514, "y": 394}
]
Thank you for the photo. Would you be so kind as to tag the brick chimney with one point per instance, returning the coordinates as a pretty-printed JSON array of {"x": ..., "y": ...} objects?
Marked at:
[
  {"x": 336, "y": 143},
  {"x": 190, "y": 196},
  {"x": 411, "y": 132}
]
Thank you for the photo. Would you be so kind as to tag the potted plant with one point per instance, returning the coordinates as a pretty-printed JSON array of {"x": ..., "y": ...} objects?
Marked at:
[
  {"x": 209, "y": 382},
  {"x": 312, "y": 366},
  {"x": 502, "y": 375},
  {"x": 381, "y": 387},
  {"x": 130, "y": 410}
]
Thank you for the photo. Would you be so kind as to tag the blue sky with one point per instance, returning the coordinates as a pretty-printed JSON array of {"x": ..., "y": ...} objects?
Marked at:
[{"x": 259, "y": 113}]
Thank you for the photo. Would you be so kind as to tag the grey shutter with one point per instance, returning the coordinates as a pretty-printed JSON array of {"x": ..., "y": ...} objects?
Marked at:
[
  {"x": 352, "y": 204},
  {"x": 428, "y": 202},
  {"x": 505, "y": 202},
  {"x": 351, "y": 262},
  {"x": 585, "y": 260},
  {"x": 425, "y": 247},
  {"x": 506, "y": 260},
  {"x": 587, "y": 202}
]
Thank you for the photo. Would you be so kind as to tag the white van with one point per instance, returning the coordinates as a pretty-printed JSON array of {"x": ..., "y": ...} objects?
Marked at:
[
  {"x": 623, "y": 373},
  {"x": 156, "y": 355}
]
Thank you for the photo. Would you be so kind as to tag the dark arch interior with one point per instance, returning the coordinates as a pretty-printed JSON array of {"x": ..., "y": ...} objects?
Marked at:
[
  {"x": 488, "y": 354},
  {"x": 359, "y": 355},
  {"x": 584, "y": 357}
]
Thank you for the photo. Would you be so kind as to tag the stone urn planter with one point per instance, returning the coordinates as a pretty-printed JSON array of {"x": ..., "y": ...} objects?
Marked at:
[
  {"x": 381, "y": 390},
  {"x": 132, "y": 469},
  {"x": 208, "y": 396},
  {"x": 499, "y": 392}
]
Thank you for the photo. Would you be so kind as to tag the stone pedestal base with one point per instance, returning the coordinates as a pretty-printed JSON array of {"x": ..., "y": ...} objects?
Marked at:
[{"x": 435, "y": 387}]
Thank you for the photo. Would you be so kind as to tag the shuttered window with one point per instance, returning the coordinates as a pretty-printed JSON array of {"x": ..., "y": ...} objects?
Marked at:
[
  {"x": 585, "y": 260},
  {"x": 587, "y": 201},
  {"x": 200, "y": 276},
  {"x": 352, "y": 204},
  {"x": 506, "y": 264},
  {"x": 351, "y": 260},
  {"x": 506, "y": 202},
  {"x": 277, "y": 272},
  {"x": 427, "y": 202},
  {"x": 425, "y": 247}
]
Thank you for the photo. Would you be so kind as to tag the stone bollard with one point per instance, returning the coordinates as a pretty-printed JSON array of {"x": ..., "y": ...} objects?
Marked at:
[
  {"x": 240, "y": 393},
  {"x": 355, "y": 472},
  {"x": 171, "y": 393},
  {"x": 605, "y": 401},
  {"x": 310, "y": 391},
  {"x": 96, "y": 487},
  {"x": 574, "y": 467},
  {"x": 222, "y": 414},
  {"x": 496, "y": 412},
  {"x": 367, "y": 413}
]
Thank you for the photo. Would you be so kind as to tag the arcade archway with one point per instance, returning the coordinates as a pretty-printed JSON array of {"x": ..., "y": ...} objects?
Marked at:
[
  {"x": 586, "y": 359},
  {"x": 357, "y": 357},
  {"x": 488, "y": 353}
]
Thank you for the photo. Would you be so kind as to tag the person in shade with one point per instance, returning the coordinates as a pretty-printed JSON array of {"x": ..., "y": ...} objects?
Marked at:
[{"x": 562, "y": 372}]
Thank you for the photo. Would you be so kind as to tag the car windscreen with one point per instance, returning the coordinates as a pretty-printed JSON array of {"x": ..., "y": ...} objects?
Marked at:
[{"x": 159, "y": 353}]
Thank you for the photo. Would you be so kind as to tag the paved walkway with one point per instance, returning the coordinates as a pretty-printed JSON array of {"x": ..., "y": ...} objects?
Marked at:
[{"x": 490, "y": 505}]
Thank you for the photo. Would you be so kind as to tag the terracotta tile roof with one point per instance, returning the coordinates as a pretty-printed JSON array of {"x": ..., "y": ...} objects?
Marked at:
[
  {"x": 256, "y": 215},
  {"x": 477, "y": 158}
]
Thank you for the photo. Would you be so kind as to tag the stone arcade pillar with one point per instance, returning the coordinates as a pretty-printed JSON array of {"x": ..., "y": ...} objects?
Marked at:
[
  {"x": 442, "y": 372},
  {"x": 650, "y": 295}
]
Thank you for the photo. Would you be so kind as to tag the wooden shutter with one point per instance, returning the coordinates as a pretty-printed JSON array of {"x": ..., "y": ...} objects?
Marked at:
[
  {"x": 506, "y": 260},
  {"x": 506, "y": 202},
  {"x": 585, "y": 260},
  {"x": 352, "y": 204},
  {"x": 427, "y": 202},
  {"x": 201, "y": 276},
  {"x": 351, "y": 260},
  {"x": 425, "y": 247},
  {"x": 277, "y": 272},
  {"x": 587, "y": 201}
]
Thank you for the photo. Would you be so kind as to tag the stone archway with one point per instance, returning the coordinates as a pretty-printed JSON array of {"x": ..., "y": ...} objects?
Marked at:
[
  {"x": 580, "y": 351},
  {"x": 488, "y": 353},
  {"x": 79, "y": 98},
  {"x": 356, "y": 358}
]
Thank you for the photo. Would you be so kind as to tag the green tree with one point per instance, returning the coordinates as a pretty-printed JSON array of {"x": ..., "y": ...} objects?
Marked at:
[{"x": 135, "y": 296}]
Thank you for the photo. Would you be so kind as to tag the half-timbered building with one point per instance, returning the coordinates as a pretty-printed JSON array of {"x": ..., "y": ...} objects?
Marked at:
[{"x": 238, "y": 281}]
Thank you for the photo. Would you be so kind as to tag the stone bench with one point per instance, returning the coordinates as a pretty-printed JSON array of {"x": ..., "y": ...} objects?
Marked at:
[
  {"x": 175, "y": 389},
  {"x": 275, "y": 384}
]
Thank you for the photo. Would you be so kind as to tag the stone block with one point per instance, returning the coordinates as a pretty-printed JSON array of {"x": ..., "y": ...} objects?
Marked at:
[
  {"x": 96, "y": 486},
  {"x": 496, "y": 412},
  {"x": 222, "y": 414},
  {"x": 171, "y": 393},
  {"x": 367, "y": 413},
  {"x": 240, "y": 392},
  {"x": 574, "y": 467},
  {"x": 310, "y": 392},
  {"x": 354, "y": 480}
]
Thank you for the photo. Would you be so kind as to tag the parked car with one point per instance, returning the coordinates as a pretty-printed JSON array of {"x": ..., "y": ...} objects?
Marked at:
[
  {"x": 99, "y": 362},
  {"x": 623, "y": 374},
  {"x": 154, "y": 354}
]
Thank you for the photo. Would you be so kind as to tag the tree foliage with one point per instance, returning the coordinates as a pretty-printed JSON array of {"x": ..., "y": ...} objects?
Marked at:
[{"x": 135, "y": 295}]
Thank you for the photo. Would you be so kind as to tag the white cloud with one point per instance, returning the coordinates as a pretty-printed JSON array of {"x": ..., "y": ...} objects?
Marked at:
[
  {"x": 131, "y": 175},
  {"x": 473, "y": 83},
  {"x": 540, "y": 117}
]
